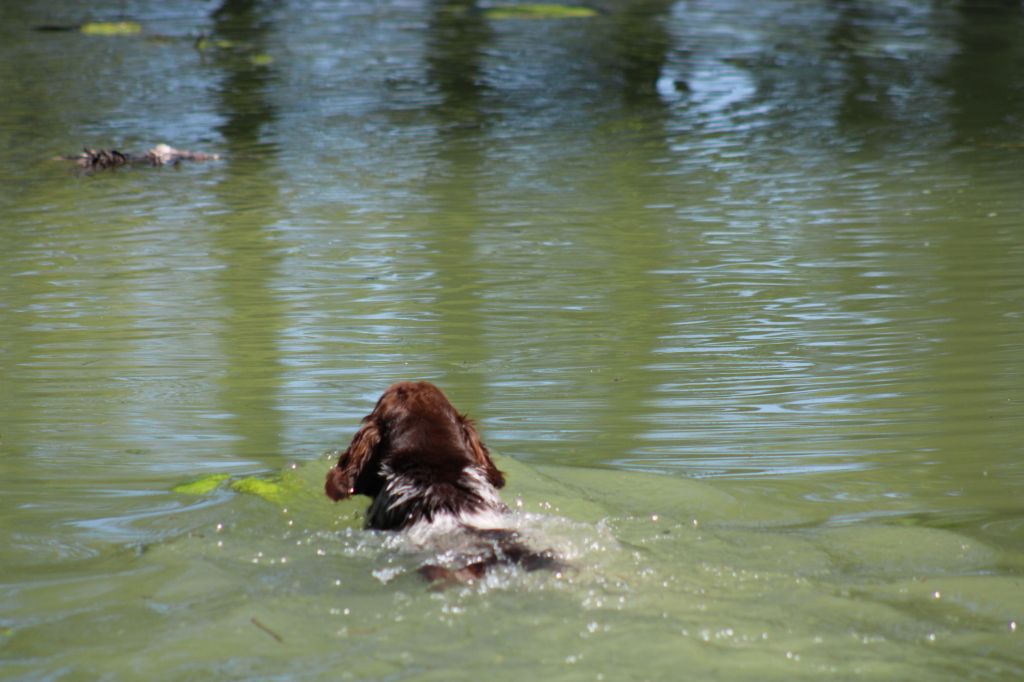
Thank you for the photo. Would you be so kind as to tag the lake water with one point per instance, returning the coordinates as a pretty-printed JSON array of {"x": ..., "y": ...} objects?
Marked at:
[{"x": 734, "y": 291}]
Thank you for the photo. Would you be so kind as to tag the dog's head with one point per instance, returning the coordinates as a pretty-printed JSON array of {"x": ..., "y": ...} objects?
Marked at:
[{"x": 413, "y": 427}]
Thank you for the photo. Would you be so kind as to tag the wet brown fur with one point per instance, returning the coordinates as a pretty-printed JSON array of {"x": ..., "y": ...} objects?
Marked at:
[{"x": 413, "y": 451}]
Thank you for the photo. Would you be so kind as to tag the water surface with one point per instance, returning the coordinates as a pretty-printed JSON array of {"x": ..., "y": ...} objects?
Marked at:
[{"x": 735, "y": 293}]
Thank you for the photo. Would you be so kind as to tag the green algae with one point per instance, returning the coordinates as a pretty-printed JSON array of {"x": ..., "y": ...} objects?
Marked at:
[
  {"x": 201, "y": 486},
  {"x": 111, "y": 28},
  {"x": 538, "y": 11}
]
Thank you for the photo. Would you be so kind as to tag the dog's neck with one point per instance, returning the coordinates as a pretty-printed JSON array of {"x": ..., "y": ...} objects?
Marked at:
[{"x": 404, "y": 501}]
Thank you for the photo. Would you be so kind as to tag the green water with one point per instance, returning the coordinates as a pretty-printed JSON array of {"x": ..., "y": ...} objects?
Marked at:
[{"x": 735, "y": 291}]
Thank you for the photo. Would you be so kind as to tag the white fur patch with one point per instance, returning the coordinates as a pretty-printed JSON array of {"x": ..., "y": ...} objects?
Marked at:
[{"x": 400, "y": 493}]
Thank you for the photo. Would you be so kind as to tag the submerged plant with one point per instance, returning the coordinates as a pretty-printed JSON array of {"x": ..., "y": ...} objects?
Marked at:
[
  {"x": 110, "y": 28},
  {"x": 201, "y": 486},
  {"x": 539, "y": 11}
]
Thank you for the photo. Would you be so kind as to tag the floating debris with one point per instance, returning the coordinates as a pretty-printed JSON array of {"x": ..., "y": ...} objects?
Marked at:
[
  {"x": 278, "y": 638},
  {"x": 160, "y": 155},
  {"x": 241, "y": 50},
  {"x": 94, "y": 28},
  {"x": 204, "y": 43}
]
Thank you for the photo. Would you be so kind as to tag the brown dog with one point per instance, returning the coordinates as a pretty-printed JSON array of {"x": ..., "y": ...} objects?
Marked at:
[{"x": 429, "y": 473}]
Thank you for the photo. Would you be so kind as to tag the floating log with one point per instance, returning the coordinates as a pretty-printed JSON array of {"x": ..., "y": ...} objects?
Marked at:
[{"x": 160, "y": 155}]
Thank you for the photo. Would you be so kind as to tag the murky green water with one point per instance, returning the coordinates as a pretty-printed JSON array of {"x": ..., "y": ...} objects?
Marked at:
[{"x": 735, "y": 291}]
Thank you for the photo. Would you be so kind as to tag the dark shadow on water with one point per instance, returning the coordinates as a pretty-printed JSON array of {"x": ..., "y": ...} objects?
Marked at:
[
  {"x": 985, "y": 76},
  {"x": 637, "y": 49},
  {"x": 249, "y": 195},
  {"x": 457, "y": 37},
  {"x": 864, "y": 104},
  {"x": 631, "y": 62}
]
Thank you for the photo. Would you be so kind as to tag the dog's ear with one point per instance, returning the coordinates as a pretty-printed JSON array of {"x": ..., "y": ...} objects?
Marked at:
[
  {"x": 480, "y": 454},
  {"x": 341, "y": 479},
  {"x": 338, "y": 486}
]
